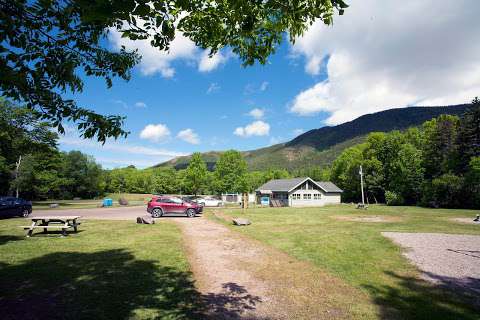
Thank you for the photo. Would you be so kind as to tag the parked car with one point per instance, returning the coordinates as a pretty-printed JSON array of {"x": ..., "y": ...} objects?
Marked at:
[
  {"x": 209, "y": 202},
  {"x": 11, "y": 207},
  {"x": 160, "y": 206}
]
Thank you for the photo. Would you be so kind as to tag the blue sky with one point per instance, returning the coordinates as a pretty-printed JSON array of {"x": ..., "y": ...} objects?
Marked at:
[
  {"x": 212, "y": 104},
  {"x": 183, "y": 102}
]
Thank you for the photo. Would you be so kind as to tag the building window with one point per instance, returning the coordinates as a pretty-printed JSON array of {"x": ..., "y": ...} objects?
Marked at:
[
  {"x": 307, "y": 196},
  {"x": 295, "y": 196},
  {"x": 316, "y": 196}
]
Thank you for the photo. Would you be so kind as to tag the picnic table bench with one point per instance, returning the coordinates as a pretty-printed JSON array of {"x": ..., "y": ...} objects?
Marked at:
[{"x": 52, "y": 222}]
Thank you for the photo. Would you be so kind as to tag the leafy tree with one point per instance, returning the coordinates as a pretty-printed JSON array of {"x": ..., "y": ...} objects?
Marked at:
[
  {"x": 345, "y": 172},
  {"x": 21, "y": 133},
  {"x": 195, "y": 174},
  {"x": 472, "y": 183},
  {"x": 408, "y": 174},
  {"x": 45, "y": 44},
  {"x": 444, "y": 191},
  {"x": 231, "y": 172},
  {"x": 83, "y": 174}
]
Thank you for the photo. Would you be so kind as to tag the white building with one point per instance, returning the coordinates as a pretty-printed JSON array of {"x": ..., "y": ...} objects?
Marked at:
[{"x": 298, "y": 192}]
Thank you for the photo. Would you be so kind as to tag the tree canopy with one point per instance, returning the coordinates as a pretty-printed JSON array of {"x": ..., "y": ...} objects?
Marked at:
[{"x": 45, "y": 45}]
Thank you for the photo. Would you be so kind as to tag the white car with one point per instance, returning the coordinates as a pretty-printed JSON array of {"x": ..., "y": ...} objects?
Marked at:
[{"x": 210, "y": 202}]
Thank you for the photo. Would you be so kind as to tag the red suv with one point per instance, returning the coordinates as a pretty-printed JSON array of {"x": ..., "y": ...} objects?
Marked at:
[{"x": 159, "y": 206}]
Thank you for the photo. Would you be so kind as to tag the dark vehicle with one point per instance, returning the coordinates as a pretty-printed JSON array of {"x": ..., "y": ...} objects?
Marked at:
[
  {"x": 11, "y": 207},
  {"x": 163, "y": 205}
]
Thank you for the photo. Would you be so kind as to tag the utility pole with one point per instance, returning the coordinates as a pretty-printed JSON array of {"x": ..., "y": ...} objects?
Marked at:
[
  {"x": 17, "y": 165},
  {"x": 361, "y": 186}
]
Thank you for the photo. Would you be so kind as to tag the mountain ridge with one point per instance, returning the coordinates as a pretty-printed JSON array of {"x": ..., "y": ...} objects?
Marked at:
[{"x": 319, "y": 147}]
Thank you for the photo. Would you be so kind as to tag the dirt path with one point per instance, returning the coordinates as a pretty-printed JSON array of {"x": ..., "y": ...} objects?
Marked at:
[{"x": 241, "y": 278}]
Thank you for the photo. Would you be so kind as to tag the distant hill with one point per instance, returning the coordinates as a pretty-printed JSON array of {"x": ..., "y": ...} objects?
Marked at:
[{"x": 319, "y": 147}]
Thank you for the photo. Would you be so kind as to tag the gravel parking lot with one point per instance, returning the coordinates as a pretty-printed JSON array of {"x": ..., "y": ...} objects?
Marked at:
[{"x": 446, "y": 259}]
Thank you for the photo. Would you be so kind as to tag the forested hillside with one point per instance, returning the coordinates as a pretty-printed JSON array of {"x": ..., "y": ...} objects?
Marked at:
[
  {"x": 436, "y": 164},
  {"x": 319, "y": 147}
]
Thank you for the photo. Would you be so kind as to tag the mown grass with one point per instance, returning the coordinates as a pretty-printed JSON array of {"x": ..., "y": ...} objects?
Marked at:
[
  {"x": 134, "y": 199},
  {"x": 109, "y": 270},
  {"x": 358, "y": 253}
]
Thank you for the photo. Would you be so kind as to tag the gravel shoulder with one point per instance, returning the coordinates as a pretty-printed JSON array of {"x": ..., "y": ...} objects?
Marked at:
[
  {"x": 241, "y": 278},
  {"x": 445, "y": 259}
]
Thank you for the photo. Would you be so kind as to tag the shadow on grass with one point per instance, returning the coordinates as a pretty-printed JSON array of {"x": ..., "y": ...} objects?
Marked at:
[
  {"x": 414, "y": 298},
  {"x": 7, "y": 239},
  {"x": 110, "y": 284}
]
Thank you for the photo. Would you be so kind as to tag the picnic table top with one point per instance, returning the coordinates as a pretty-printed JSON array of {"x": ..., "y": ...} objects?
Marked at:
[{"x": 63, "y": 218}]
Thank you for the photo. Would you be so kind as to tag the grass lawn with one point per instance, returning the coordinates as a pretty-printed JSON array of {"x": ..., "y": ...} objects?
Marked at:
[
  {"x": 358, "y": 253},
  {"x": 130, "y": 271},
  {"x": 134, "y": 199}
]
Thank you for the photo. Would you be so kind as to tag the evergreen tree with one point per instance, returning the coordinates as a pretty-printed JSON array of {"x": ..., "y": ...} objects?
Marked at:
[{"x": 469, "y": 136}]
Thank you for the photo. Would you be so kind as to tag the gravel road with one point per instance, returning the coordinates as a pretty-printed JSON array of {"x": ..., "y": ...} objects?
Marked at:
[{"x": 446, "y": 259}]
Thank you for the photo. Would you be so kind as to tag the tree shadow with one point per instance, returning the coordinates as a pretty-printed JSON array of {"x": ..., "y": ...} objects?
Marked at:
[
  {"x": 110, "y": 284},
  {"x": 7, "y": 239},
  {"x": 413, "y": 298},
  {"x": 230, "y": 304}
]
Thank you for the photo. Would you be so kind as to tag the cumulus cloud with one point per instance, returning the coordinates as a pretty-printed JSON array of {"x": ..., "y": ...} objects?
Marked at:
[
  {"x": 381, "y": 55},
  {"x": 207, "y": 63},
  {"x": 158, "y": 61},
  {"x": 155, "y": 132},
  {"x": 257, "y": 113},
  {"x": 140, "y": 104},
  {"x": 188, "y": 135},
  {"x": 256, "y": 128}
]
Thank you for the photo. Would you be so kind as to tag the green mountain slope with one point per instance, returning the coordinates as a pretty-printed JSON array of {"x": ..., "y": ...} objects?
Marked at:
[{"x": 319, "y": 147}]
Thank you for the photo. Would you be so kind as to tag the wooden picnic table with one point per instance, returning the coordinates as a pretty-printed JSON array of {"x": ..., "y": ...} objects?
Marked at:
[{"x": 52, "y": 222}]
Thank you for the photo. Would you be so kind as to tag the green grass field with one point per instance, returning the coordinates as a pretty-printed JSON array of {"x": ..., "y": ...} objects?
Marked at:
[
  {"x": 130, "y": 271},
  {"x": 134, "y": 199},
  {"x": 358, "y": 253}
]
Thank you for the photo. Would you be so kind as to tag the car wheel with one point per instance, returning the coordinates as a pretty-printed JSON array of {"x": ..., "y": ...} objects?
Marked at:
[
  {"x": 190, "y": 213},
  {"x": 25, "y": 213},
  {"x": 157, "y": 213}
]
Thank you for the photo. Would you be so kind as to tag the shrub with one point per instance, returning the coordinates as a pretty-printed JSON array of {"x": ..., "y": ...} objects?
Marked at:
[
  {"x": 393, "y": 198},
  {"x": 444, "y": 192}
]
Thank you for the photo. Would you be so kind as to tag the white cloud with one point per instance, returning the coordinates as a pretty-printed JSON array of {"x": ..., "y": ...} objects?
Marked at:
[
  {"x": 140, "y": 104},
  {"x": 213, "y": 87},
  {"x": 155, "y": 60},
  {"x": 264, "y": 86},
  {"x": 256, "y": 128},
  {"x": 297, "y": 132},
  {"x": 207, "y": 63},
  {"x": 381, "y": 54},
  {"x": 117, "y": 146},
  {"x": 188, "y": 135},
  {"x": 257, "y": 113},
  {"x": 155, "y": 132}
]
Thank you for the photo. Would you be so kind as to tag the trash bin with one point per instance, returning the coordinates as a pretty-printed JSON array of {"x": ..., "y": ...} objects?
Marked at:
[{"x": 107, "y": 202}]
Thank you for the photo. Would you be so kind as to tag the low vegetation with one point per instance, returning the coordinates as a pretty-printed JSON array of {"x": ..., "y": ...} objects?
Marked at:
[
  {"x": 129, "y": 271},
  {"x": 333, "y": 238}
]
